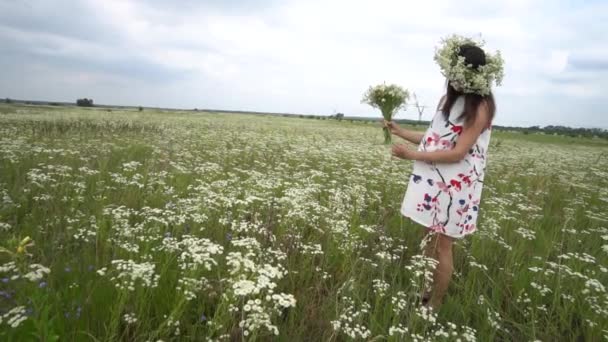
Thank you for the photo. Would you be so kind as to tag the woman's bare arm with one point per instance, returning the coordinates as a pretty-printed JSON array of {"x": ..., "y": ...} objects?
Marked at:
[{"x": 412, "y": 136}]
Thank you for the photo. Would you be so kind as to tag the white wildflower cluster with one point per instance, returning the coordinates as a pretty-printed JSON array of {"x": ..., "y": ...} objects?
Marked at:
[
  {"x": 87, "y": 234},
  {"x": 129, "y": 318},
  {"x": 541, "y": 288},
  {"x": 525, "y": 302},
  {"x": 526, "y": 233},
  {"x": 605, "y": 247},
  {"x": 89, "y": 172},
  {"x": 6, "y": 200},
  {"x": 523, "y": 298},
  {"x": 198, "y": 252},
  {"x": 494, "y": 318},
  {"x": 473, "y": 263},
  {"x": 568, "y": 297},
  {"x": 14, "y": 317},
  {"x": 128, "y": 273},
  {"x": 387, "y": 256},
  {"x": 565, "y": 269},
  {"x": 257, "y": 317},
  {"x": 398, "y": 330},
  {"x": 133, "y": 228},
  {"x": 131, "y": 166},
  {"x": 240, "y": 262},
  {"x": 400, "y": 302},
  {"x": 434, "y": 329},
  {"x": 5, "y": 226},
  {"x": 584, "y": 257},
  {"x": 380, "y": 287},
  {"x": 42, "y": 198},
  {"x": 367, "y": 228},
  {"x": 33, "y": 272},
  {"x": 594, "y": 285},
  {"x": 446, "y": 332},
  {"x": 169, "y": 244},
  {"x": 312, "y": 249},
  {"x": 265, "y": 278},
  {"x": 36, "y": 272},
  {"x": 10, "y": 267},
  {"x": 451, "y": 332},
  {"x": 244, "y": 227},
  {"x": 191, "y": 287},
  {"x": 299, "y": 202},
  {"x": 598, "y": 303},
  {"x": 351, "y": 320},
  {"x": 254, "y": 282},
  {"x": 125, "y": 235},
  {"x": 422, "y": 267},
  {"x": 174, "y": 325},
  {"x": 427, "y": 314},
  {"x": 464, "y": 77},
  {"x": 131, "y": 180},
  {"x": 39, "y": 178}
]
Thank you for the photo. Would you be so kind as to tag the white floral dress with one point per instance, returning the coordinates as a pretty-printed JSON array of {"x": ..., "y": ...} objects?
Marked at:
[{"x": 445, "y": 197}]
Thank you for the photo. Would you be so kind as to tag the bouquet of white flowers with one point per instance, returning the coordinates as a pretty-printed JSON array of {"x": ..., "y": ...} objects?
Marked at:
[{"x": 389, "y": 99}]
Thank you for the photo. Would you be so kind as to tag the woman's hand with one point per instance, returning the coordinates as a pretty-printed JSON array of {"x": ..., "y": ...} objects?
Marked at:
[
  {"x": 403, "y": 152},
  {"x": 392, "y": 126}
]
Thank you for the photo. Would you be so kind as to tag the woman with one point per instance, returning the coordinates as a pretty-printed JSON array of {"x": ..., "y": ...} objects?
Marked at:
[{"x": 444, "y": 191}]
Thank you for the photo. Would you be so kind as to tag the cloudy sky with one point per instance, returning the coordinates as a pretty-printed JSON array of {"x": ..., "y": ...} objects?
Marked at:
[{"x": 302, "y": 56}]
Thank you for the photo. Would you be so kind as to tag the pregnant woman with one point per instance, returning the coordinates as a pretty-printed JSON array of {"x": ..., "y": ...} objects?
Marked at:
[{"x": 444, "y": 190}]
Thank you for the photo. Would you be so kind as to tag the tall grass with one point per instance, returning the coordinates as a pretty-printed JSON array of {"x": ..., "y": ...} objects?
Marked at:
[{"x": 169, "y": 226}]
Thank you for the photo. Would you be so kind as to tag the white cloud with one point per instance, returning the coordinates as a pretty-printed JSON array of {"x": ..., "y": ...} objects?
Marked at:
[{"x": 316, "y": 56}]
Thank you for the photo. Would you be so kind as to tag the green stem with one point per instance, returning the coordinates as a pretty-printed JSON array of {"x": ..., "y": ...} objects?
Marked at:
[
  {"x": 387, "y": 136},
  {"x": 387, "y": 114}
]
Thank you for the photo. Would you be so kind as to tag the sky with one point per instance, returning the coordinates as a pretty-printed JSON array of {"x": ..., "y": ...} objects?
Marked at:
[{"x": 303, "y": 56}]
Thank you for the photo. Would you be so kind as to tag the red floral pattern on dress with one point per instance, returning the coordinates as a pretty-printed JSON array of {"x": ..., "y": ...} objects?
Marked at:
[{"x": 457, "y": 129}]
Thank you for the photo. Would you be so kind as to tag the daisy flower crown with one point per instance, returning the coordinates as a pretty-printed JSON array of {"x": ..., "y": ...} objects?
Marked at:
[{"x": 463, "y": 77}]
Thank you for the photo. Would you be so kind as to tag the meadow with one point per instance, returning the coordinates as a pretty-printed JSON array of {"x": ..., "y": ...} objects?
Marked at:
[{"x": 177, "y": 226}]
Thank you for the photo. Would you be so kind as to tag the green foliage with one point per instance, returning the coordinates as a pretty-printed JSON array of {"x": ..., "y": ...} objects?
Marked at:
[
  {"x": 84, "y": 102},
  {"x": 339, "y": 116}
]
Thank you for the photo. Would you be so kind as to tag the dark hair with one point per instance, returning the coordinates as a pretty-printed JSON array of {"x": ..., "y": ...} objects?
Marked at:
[{"x": 475, "y": 57}]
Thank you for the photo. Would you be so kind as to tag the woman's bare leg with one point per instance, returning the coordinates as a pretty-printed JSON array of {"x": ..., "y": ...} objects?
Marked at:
[{"x": 443, "y": 271}]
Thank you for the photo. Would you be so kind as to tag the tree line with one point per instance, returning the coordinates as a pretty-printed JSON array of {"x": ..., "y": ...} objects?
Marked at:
[{"x": 550, "y": 129}]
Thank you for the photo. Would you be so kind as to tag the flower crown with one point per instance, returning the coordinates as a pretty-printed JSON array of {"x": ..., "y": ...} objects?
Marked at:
[{"x": 464, "y": 77}]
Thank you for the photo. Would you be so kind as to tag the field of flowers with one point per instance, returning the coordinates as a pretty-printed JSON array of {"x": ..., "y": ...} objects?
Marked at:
[{"x": 148, "y": 226}]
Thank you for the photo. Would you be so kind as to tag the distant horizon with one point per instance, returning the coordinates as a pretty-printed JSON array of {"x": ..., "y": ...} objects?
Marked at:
[
  {"x": 425, "y": 117},
  {"x": 306, "y": 56}
]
